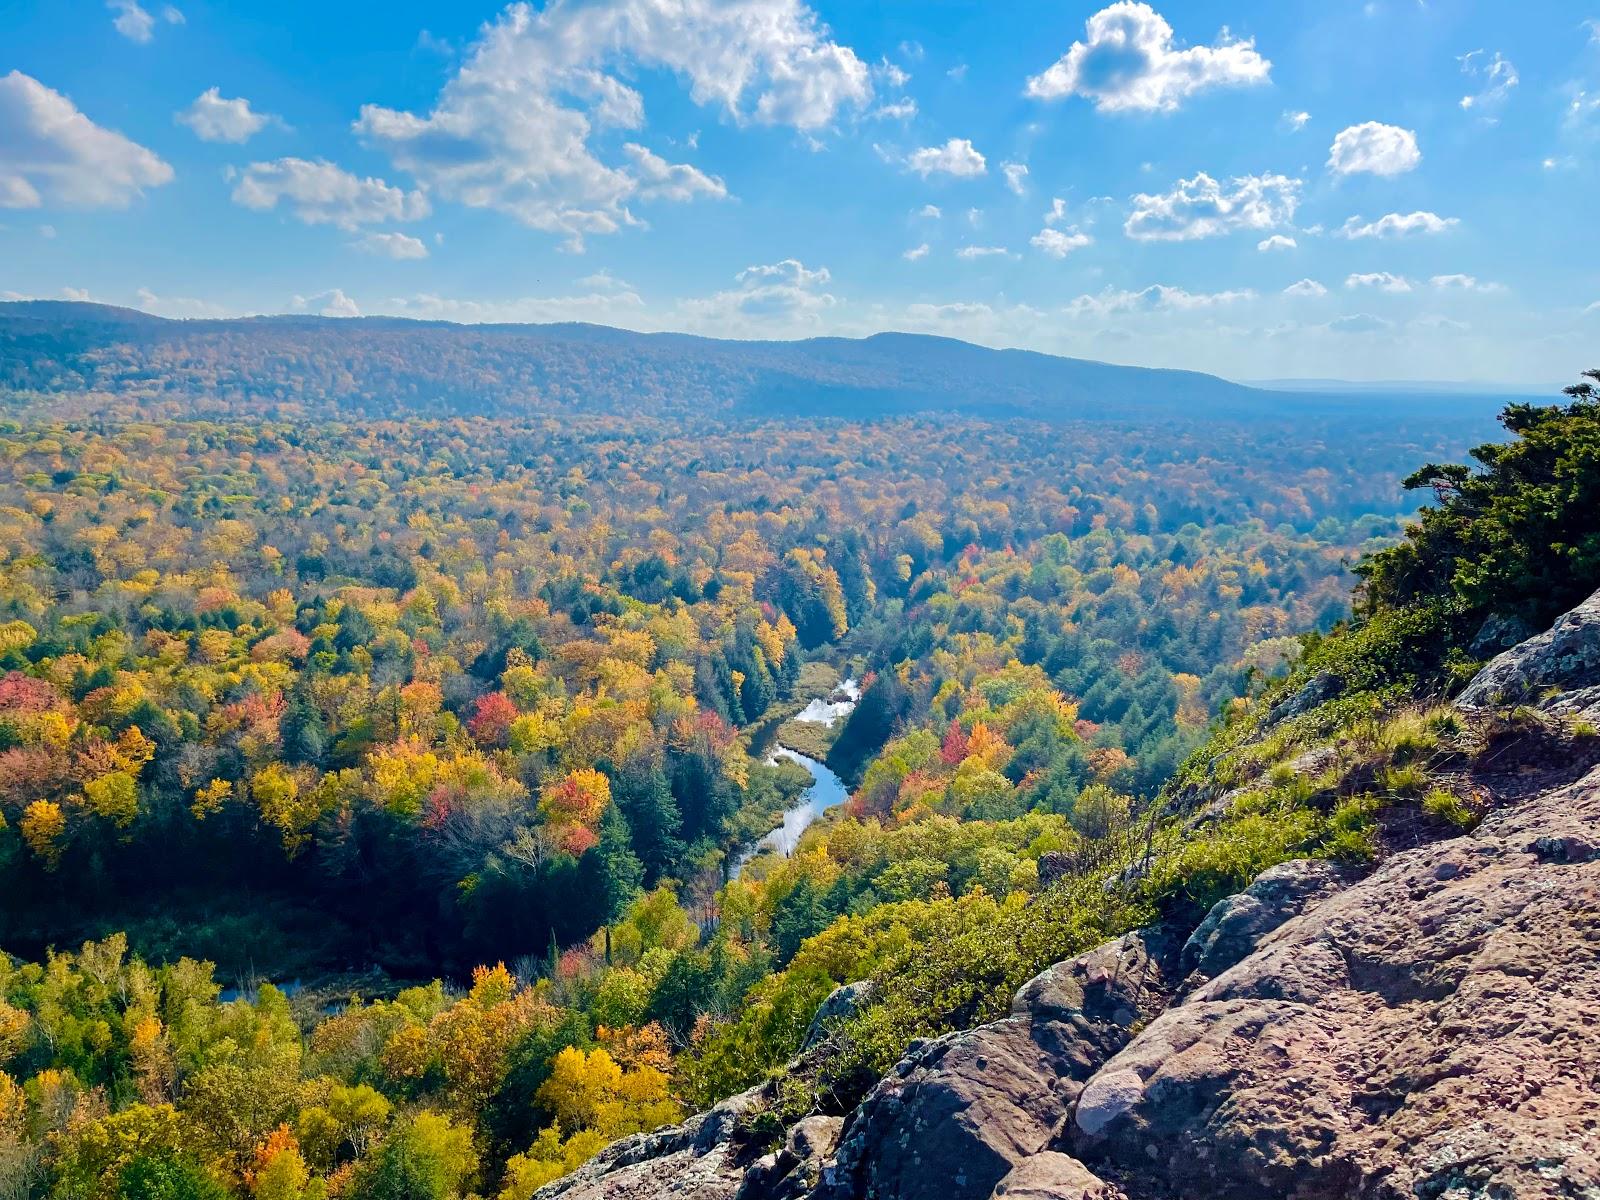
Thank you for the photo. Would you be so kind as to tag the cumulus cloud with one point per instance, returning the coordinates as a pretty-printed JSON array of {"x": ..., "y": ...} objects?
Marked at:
[
  {"x": 1128, "y": 62},
  {"x": 1058, "y": 243},
  {"x": 1202, "y": 207},
  {"x": 1016, "y": 177},
  {"x": 1397, "y": 225},
  {"x": 1156, "y": 298},
  {"x": 974, "y": 252},
  {"x": 1382, "y": 280},
  {"x": 136, "y": 24},
  {"x": 1276, "y": 242},
  {"x": 931, "y": 211},
  {"x": 916, "y": 253},
  {"x": 785, "y": 295},
  {"x": 215, "y": 119},
  {"x": 1373, "y": 148},
  {"x": 320, "y": 193},
  {"x": 513, "y": 129},
  {"x": 1295, "y": 119},
  {"x": 131, "y": 21},
  {"x": 332, "y": 303},
  {"x": 391, "y": 245},
  {"x": 1308, "y": 288},
  {"x": 1496, "y": 77},
  {"x": 51, "y": 153},
  {"x": 957, "y": 157},
  {"x": 663, "y": 180}
]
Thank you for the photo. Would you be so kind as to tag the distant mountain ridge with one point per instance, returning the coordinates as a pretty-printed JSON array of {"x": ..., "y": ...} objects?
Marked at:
[{"x": 73, "y": 357}]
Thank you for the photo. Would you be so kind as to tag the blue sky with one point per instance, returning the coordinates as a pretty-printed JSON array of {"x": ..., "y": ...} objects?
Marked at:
[{"x": 1261, "y": 188}]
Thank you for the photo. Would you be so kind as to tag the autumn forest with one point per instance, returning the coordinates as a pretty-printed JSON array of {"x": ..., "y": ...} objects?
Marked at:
[{"x": 372, "y": 790}]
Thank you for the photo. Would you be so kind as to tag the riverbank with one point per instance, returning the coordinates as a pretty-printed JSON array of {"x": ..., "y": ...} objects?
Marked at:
[{"x": 803, "y": 738}]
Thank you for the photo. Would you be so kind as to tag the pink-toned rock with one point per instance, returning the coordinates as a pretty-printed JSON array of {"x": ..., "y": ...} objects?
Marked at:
[{"x": 1432, "y": 1031}]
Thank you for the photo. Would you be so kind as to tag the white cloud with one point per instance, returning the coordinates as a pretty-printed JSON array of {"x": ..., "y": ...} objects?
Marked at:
[
  {"x": 784, "y": 296},
  {"x": 1592, "y": 309},
  {"x": 320, "y": 193},
  {"x": 956, "y": 157},
  {"x": 1156, "y": 298},
  {"x": 1295, "y": 120},
  {"x": 1374, "y": 149},
  {"x": 970, "y": 253},
  {"x": 47, "y": 232},
  {"x": 1464, "y": 283},
  {"x": 177, "y": 306},
  {"x": 1277, "y": 242},
  {"x": 1498, "y": 78},
  {"x": 916, "y": 253},
  {"x": 332, "y": 303},
  {"x": 214, "y": 119},
  {"x": 1397, "y": 225},
  {"x": 51, "y": 153},
  {"x": 1058, "y": 243},
  {"x": 512, "y": 129},
  {"x": 1382, "y": 280},
  {"x": 1306, "y": 287},
  {"x": 136, "y": 24},
  {"x": 662, "y": 180},
  {"x": 78, "y": 295},
  {"x": 1128, "y": 62},
  {"x": 1201, "y": 208},
  {"x": 1016, "y": 176},
  {"x": 932, "y": 211},
  {"x": 893, "y": 73},
  {"x": 391, "y": 245},
  {"x": 131, "y": 21},
  {"x": 902, "y": 109}
]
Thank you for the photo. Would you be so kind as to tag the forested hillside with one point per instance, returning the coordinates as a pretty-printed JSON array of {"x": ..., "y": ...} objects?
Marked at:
[
  {"x": 89, "y": 360},
  {"x": 467, "y": 715}
]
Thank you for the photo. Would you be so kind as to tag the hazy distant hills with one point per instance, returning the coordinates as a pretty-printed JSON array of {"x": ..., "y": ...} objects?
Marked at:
[{"x": 80, "y": 359}]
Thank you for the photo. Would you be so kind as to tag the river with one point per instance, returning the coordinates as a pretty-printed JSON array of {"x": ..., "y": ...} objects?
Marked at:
[{"x": 827, "y": 790}]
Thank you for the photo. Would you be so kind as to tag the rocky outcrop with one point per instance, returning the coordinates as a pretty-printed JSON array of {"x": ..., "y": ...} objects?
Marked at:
[
  {"x": 957, "y": 1115},
  {"x": 1431, "y": 1031},
  {"x": 1565, "y": 659},
  {"x": 1235, "y": 926},
  {"x": 703, "y": 1159}
]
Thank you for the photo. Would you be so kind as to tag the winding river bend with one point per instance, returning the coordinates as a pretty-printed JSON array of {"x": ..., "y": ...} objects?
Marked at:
[{"x": 827, "y": 790}]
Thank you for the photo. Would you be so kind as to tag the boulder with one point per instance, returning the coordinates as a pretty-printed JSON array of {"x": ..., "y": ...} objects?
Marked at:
[
  {"x": 705, "y": 1158},
  {"x": 1052, "y": 1176},
  {"x": 841, "y": 1004},
  {"x": 1235, "y": 926},
  {"x": 1499, "y": 633},
  {"x": 1318, "y": 690},
  {"x": 959, "y": 1113},
  {"x": 1430, "y": 1031},
  {"x": 1565, "y": 658}
]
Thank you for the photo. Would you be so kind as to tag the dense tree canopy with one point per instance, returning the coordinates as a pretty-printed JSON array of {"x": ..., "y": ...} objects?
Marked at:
[{"x": 390, "y": 702}]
